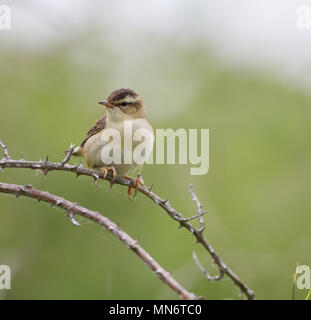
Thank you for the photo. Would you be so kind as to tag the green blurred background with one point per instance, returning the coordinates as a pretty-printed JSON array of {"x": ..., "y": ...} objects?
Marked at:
[{"x": 257, "y": 191}]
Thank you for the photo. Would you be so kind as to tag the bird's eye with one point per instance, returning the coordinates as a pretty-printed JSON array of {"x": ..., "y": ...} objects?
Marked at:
[{"x": 123, "y": 104}]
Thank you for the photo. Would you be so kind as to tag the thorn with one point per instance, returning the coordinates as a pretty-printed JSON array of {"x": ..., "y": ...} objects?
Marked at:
[
  {"x": 134, "y": 246},
  {"x": 165, "y": 202},
  {"x": 45, "y": 170},
  {"x": 96, "y": 178},
  {"x": 150, "y": 188},
  {"x": 74, "y": 221},
  {"x": 71, "y": 145},
  {"x": 28, "y": 186},
  {"x": 58, "y": 202},
  {"x": 77, "y": 175},
  {"x": 112, "y": 181},
  {"x": 158, "y": 272},
  {"x": 72, "y": 218}
]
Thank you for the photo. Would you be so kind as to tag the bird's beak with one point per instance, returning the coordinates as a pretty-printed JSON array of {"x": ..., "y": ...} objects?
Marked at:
[{"x": 107, "y": 104}]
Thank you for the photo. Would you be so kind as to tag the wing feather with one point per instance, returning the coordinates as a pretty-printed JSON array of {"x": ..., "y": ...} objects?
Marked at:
[{"x": 99, "y": 125}]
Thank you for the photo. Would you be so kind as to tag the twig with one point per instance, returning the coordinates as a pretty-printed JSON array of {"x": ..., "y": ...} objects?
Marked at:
[
  {"x": 68, "y": 154},
  {"x": 47, "y": 166},
  {"x": 200, "y": 209},
  {"x": 74, "y": 208},
  {"x": 220, "y": 264},
  {"x": 5, "y": 151},
  {"x": 207, "y": 275}
]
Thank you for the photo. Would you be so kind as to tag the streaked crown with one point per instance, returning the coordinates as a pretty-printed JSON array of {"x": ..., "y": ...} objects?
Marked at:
[
  {"x": 128, "y": 101},
  {"x": 120, "y": 94}
]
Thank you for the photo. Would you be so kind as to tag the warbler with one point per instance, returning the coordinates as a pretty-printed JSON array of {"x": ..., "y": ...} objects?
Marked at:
[{"x": 123, "y": 105}]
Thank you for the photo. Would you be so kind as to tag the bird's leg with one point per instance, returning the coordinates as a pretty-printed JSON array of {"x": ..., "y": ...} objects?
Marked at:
[{"x": 138, "y": 182}]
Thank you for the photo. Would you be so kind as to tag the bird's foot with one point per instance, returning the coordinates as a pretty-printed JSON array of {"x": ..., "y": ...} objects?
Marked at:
[
  {"x": 105, "y": 171},
  {"x": 138, "y": 182}
]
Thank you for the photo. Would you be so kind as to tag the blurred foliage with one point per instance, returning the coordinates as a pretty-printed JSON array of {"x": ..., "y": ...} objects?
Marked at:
[{"x": 257, "y": 191}]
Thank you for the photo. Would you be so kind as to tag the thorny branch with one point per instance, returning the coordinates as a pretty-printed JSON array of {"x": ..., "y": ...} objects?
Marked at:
[
  {"x": 68, "y": 154},
  {"x": 46, "y": 166},
  {"x": 74, "y": 208}
]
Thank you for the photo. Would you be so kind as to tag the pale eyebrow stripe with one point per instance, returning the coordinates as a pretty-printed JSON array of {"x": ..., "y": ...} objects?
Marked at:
[{"x": 129, "y": 100}]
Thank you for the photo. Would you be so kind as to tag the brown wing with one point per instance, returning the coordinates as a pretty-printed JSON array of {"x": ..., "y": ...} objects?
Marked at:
[{"x": 99, "y": 125}]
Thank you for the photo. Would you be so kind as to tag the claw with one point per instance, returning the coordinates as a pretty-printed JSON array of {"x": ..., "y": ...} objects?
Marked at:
[
  {"x": 105, "y": 171},
  {"x": 138, "y": 182}
]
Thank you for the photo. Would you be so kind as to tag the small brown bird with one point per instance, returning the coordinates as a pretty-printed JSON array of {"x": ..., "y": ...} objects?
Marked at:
[{"x": 122, "y": 105}]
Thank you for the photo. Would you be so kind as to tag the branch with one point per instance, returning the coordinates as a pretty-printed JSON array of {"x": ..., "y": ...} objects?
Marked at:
[
  {"x": 68, "y": 154},
  {"x": 5, "y": 151},
  {"x": 220, "y": 264},
  {"x": 47, "y": 166},
  {"x": 107, "y": 224}
]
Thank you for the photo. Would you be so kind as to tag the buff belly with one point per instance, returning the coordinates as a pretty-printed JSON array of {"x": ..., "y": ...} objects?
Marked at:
[{"x": 93, "y": 151}]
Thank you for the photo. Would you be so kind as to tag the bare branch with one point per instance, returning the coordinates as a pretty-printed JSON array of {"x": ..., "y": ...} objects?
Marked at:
[
  {"x": 107, "y": 224},
  {"x": 68, "y": 154},
  {"x": 201, "y": 229},
  {"x": 47, "y": 166},
  {"x": 5, "y": 151},
  {"x": 200, "y": 209},
  {"x": 207, "y": 275}
]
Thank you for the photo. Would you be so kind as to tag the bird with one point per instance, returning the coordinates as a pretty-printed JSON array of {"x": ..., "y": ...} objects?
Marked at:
[{"x": 122, "y": 105}]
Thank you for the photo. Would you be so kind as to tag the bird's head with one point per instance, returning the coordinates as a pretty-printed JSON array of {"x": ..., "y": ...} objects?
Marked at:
[{"x": 124, "y": 104}]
